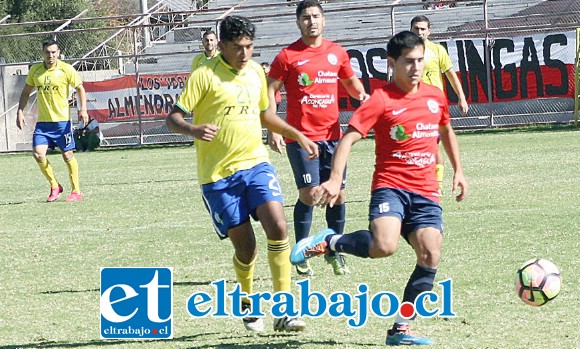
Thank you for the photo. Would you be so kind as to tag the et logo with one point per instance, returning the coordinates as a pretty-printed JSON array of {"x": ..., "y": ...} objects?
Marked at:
[{"x": 136, "y": 303}]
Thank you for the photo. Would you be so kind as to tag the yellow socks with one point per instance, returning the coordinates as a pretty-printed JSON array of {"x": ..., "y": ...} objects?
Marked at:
[
  {"x": 280, "y": 267},
  {"x": 46, "y": 170},
  {"x": 244, "y": 275},
  {"x": 73, "y": 170}
]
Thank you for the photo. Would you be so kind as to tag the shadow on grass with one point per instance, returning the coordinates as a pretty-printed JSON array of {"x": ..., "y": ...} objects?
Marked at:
[
  {"x": 177, "y": 284},
  {"x": 95, "y": 343},
  {"x": 286, "y": 340},
  {"x": 273, "y": 341},
  {"x": 346, "y": 202},
  {"x": 12, "y": 203},
  {"x": 69, "y": 291},
  {"x": 208, "y": 283}
]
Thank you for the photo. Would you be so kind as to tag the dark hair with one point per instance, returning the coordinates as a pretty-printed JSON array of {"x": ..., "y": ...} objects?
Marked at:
[
  {"x": 208, "y": 32},
  {"x": 265, "y": 64},
  {"x": 420, "y": 19},
  {"x": 303, "y": 5},
  {"x": 49, "y": 42},
  {"x": 233, "y": 27},
  {"x": 403, "y": 40}
]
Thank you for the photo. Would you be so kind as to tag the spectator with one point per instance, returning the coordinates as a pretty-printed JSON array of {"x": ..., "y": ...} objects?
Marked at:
[{"x": 88, "y": 137}]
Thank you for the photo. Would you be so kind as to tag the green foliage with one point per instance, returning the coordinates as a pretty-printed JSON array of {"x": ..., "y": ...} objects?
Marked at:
[
  {"x": 143, "y": 207},
  {"x": 74, "y": 44}
]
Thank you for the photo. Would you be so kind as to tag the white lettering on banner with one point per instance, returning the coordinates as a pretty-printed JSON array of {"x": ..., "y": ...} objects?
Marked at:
[
  {"x": 556, "y": 46},
  {"x": 523, "y": 67}
]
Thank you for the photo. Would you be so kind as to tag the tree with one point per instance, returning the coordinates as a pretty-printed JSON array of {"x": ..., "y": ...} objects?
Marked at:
[{"x": 27, "y": 48}]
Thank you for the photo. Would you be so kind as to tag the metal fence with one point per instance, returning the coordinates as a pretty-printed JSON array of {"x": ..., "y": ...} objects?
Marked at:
[{"x": 161, "y": 43}]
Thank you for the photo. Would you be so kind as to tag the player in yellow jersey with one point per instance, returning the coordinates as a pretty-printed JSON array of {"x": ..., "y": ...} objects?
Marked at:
[
  {"x": 437, "y": 62},
  {"x": 228, "y": 100},
  {"x": 209, "y": 42},
  {"x": 51, "y": 80}
]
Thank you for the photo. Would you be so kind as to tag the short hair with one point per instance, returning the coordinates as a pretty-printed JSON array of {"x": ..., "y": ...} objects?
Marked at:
[
  {"x": 303, "y": 5},
  {"x": 233, "y": 27},
  {"x": 207, "y": 32},
  {"x": 403, "y": 40},
  {"x": 49, "y": 42},
  {"x": 420, "y": 19}
]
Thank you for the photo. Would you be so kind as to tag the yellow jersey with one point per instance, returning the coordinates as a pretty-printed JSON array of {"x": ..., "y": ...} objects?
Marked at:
[
  {"x": 200, "y": 59},
  {"x": 52, "y": 89},
  {"x": 215, "y": 93},
  {"x": 437, "y": 62}
]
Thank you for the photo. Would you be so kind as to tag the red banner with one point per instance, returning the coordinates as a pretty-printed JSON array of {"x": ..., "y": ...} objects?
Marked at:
[{"x": 527, "y": 67}]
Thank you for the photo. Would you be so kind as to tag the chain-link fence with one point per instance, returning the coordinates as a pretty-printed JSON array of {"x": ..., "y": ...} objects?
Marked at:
[{"x": 516, "y": 60}]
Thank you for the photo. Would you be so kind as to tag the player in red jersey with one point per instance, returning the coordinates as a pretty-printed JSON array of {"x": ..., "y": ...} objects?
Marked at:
[
  {"x": 407, "y": 116},
  {"x": 309, "y": 69}
]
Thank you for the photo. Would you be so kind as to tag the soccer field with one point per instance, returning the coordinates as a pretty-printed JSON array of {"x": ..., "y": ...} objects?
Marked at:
[{"x": 143, "y": 208}]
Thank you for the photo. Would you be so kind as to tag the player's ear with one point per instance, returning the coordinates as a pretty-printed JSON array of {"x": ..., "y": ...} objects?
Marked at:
[{"x": 390, "y": 62}]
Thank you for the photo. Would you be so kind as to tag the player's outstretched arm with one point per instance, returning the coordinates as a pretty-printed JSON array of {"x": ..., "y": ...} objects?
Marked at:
[
  {"x": 175, "y": 121},
  {"x": 276, "y": 125},
  {"x": 449, "y": 140},
  {"x": 327, "y": 192}
]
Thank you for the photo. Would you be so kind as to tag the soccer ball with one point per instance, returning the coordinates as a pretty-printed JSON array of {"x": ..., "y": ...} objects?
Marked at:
[{"x": 537, "y": 282}]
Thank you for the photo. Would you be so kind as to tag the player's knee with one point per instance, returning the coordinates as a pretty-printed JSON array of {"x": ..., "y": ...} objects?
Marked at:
[
  {"x": 277, "y": 230},
  {"x": 38, "y": 156},
  {"x": 306, "y": 195},
  {"x": 67, "y": 155},
  {"x": 246, "y": 256},
  {"x": 429, "y": 257},
  {"x": 382, "y": 249}
]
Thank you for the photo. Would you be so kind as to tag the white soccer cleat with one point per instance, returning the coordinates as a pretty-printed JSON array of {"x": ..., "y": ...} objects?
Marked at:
[
  {"x": 289, "y": 324},
  {"x": 254, "y": 324}
]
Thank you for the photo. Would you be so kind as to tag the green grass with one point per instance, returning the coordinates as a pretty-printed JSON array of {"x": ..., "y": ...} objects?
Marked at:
[{"x": 143, "y": 208}]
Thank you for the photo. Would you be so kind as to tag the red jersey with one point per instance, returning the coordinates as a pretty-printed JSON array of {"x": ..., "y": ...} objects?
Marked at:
[
  {"x": 310, "y": 76},
  {"x": 406, "y": 130}
]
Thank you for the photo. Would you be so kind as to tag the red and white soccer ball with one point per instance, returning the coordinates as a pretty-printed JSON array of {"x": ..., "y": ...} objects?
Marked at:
[{"x": 538, "y": 282}]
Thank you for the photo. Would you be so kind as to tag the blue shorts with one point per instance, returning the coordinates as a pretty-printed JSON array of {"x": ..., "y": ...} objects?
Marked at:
[
  {"x": 54, "y": 134},
  {"x": 232, "y": 200},
  {"x": 310, "y": 173},
  {"x": 415, "y": 211}
]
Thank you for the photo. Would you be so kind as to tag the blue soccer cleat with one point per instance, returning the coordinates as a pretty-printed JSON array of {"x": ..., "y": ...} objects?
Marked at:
[
  {"x": 402, "y": 335},
  {"x": 310, "y": 247}
]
